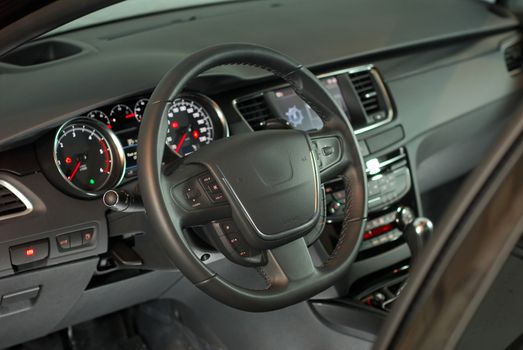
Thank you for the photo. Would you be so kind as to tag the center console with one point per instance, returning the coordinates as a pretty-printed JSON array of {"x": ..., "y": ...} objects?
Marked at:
[
  {"x": 382, "y": 264},
  {"x": 361, "y": 92},
  {"x": 381, "y": 268},
  {"x": 389, "y": 184}
]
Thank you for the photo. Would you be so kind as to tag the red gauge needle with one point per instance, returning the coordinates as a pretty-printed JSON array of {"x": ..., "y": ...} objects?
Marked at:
[
  {"x": 76, "y": 168},
  {"x": 179, "y": 145},
  {"x": 130, "y": 115}
]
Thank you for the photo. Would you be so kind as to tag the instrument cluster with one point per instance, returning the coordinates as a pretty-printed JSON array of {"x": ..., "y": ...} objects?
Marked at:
[
  {"x": 96, "y": 151},
  {"x": 123, "y": 119}
]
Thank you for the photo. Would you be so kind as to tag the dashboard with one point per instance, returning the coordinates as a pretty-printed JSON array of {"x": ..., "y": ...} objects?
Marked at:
[
  {"x": 426, "y": 106},
  {"x": 97, "y": 150}
]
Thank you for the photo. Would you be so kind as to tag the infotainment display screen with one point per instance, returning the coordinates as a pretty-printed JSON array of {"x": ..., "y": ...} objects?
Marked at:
[{"x": 296, "y": 112}]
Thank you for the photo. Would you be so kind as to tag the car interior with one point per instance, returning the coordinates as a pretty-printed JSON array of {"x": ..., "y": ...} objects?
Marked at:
[{"x": 255, "y": 174}]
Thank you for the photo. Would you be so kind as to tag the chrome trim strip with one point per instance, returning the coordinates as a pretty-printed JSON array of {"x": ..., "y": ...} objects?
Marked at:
[
  {"x": 351, "y": 70},
  {"x": 368, "y": 67},
  {"x": 388, "y": 162},
  {"x": 28, "y": 205}
]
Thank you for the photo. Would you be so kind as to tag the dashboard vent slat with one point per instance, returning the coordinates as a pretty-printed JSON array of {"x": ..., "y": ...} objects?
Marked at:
[
  {"x": 255, "y": 111},
  {"x": 4, "y": 200},
  {"x": 10, "y": 203},
  {"x": 370, "y": 94},
  {"x": 12, "y": 208},
  {"x": 513, "y": 56}
]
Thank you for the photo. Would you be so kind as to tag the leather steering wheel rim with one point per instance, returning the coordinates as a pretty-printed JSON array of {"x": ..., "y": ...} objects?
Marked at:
[{"x": 290, "y": 274}]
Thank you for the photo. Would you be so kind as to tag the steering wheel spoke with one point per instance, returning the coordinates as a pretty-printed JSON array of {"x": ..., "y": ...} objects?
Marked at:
[
  {"x": 227, "y": 238},
  {"x": 195, "y": 198},
  {"x": 289, "y": 264},
  {"x": 329, "y": 153}
]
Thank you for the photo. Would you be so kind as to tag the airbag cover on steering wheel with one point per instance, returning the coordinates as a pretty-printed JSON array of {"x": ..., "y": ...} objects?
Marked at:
[{"x": 271, "y": 177}]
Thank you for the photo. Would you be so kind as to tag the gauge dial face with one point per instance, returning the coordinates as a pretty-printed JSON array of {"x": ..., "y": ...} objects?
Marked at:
[
  {"x": 102, "y": 117},
  {"x": 121, "y": 112},
  {"x": 139, "y": 108},
  {"x": 190, "y": 126},
  {"x": 84, "y": 157}
]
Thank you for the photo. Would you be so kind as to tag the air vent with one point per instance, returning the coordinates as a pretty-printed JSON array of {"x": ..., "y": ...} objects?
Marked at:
[
  {"x": 514, "y": 57},
  {"x": 371, "y": 93},
  {"x": 12, "y": 202},
  {"x": 255, "y": 111}
]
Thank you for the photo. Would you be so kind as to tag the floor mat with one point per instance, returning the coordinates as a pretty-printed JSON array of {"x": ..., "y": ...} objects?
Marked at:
[
  {"x": 54, "y": 341},
  {"x": 111, "y": 332},
  {"x": 157, "y": 325},
  {"x": 162, "y": 327}
]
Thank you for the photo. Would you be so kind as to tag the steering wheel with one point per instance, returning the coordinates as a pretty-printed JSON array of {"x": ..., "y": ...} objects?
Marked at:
[{"x": 258, "y": 197}]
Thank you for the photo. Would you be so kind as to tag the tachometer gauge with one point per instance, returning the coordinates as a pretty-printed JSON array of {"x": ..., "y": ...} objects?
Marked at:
[
  {"x": 101, "y": 117},
  {"x": 139, "y": 108},
  {"x": 190, "y": 126},
  {"x": 121, "y": 112},
  {"x": 88, "y": 156}
]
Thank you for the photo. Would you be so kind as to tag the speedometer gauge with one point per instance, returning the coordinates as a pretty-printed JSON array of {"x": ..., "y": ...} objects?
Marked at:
[
  {"x": 190, "y": 126},
  {"x": 88, "y": 156}
]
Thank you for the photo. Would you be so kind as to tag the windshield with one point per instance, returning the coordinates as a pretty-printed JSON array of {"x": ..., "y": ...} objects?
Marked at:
[{"x": 131, "y": 8}]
